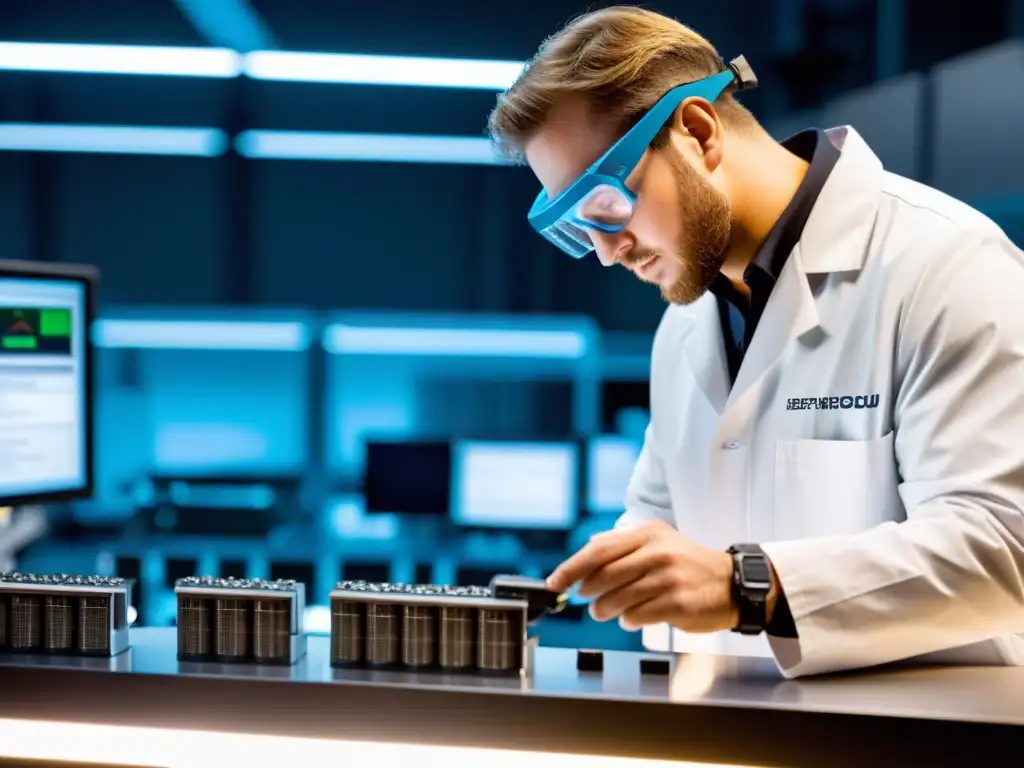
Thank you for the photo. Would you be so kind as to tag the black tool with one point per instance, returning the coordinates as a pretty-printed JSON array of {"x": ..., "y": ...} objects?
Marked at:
[
  {"x": 540, "y": 600},
  {"x": 654, "y": 667},
  {"x": 589, "y": 661}
]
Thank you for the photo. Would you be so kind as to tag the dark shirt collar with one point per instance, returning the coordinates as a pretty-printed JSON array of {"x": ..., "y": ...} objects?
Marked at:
[{"x": 814, "y": 147}]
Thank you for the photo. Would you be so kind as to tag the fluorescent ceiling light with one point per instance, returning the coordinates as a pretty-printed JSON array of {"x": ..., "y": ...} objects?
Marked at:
[
  {"x": 293, "y": 66},
  {"x": 288, "y": 66},
  {"x": 369, "y": 147},
  {"x": 229, "y": 335},
  {"x": 112, "y": 139},
  {"x": 120, "y": 59},
  {"x": 465, "y": 342}
]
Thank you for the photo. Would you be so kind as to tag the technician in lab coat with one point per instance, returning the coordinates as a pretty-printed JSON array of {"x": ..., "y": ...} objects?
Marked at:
[{"x": 834, "y": 465}]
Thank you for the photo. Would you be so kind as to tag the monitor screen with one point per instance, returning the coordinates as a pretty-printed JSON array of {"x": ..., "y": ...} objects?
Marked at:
[
  {"x": 610, "y": 463},
  {"x": 45, "y": 418},
  {"x": 516, "y": 485},
  {"x": 410, "y": 478}
]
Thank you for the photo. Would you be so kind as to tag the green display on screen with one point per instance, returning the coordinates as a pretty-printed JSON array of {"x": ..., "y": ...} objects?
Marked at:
[
  {"x": 19, "y": 342},
  {"x": 36, "y": 331},
  {"x": 55, "y": 322}
]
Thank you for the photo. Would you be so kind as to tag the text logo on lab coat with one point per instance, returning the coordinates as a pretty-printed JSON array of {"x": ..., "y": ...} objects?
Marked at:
[{"x": 843, "y": 403}]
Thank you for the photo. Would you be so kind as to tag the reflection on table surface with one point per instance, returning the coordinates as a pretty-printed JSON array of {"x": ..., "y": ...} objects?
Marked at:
[{"x": 989, "y": 694}]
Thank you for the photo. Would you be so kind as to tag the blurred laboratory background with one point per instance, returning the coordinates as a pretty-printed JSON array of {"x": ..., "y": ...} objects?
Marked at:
[{"x": 328, "y": 345}]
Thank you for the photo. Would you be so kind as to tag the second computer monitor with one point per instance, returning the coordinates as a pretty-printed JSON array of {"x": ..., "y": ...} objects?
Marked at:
[
  {"x": 510, "y": 485},
  {"x": 46, "y": 424},
  {"x": 407, "y": 477}
]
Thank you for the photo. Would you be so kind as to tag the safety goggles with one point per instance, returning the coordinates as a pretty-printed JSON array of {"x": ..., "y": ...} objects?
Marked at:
[{"x": 599, "y": 200}]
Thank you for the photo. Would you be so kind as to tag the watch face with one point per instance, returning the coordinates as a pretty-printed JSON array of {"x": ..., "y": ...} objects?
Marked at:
[{"x": 754, "y": 572}]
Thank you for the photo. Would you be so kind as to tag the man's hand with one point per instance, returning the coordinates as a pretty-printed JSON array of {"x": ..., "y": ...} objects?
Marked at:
[{"x": 652, "y": 574}]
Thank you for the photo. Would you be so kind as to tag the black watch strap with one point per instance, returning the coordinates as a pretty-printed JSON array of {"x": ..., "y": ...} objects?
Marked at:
[{"x": 751, "y": 583}]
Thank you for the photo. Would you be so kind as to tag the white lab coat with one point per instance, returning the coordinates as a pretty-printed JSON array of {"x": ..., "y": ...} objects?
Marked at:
[{"x": 896, "y": 526}]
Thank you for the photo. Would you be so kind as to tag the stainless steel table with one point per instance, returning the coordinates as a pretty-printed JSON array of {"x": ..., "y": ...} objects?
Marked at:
[{"x": 711, "y": 709}]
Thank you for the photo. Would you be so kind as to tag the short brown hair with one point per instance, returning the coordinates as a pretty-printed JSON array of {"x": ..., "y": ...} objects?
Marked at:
[{"x": 621, "y": 60}]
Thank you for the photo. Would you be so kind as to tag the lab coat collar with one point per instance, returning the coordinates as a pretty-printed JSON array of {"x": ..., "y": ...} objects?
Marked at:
[
  {"x": 835, "y": 238},
  {"x": 837, "y": 233}
]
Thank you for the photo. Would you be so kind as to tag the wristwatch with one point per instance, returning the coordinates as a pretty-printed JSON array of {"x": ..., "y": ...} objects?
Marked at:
[{"x": 751, "y": 582}]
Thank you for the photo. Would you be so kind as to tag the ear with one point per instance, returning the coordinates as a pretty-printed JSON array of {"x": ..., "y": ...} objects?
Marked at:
[{"x": 697, "y": 123}]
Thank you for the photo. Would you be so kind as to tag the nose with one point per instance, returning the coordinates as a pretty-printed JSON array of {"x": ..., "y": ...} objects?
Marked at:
[{"x": 610, "y": 247}]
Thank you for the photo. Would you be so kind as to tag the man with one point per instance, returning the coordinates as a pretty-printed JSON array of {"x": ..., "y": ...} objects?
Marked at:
[{"x": 835, "y": 457}]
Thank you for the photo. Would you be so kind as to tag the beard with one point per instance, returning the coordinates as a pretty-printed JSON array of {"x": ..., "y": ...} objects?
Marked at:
[{"x": 706, "y": 222}]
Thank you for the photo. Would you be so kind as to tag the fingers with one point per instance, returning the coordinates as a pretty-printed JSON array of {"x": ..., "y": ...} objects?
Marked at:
[
  {"x": 617, "y": 573},
  {"x": 599, "y": 551},
  {"x": 623, "y": 599},
  {"x": 661, "y": 609}
]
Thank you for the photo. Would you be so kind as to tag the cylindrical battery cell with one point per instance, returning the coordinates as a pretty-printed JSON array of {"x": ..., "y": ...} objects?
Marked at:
[
  {"x": 3, "y": 620},
  {"x": 419, "y": 635},
  {"x": 195, "y": 628},
  {"x": 383, "y": 634},
  {"x": 233, "y": 619},
  {"x": 499, "y": 640},
  {"x": 58, "y": 623},
  {"x": 271, "y": 630},
  {"x": 94, "y": 624},
  {"x": 458, "y": 639},
  {"x": 348, "y": 632},
  {"x": 26, "y": 628}
]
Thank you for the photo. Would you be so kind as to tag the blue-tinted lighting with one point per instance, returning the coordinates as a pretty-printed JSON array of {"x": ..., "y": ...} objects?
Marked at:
[
  {"x": 293, "y": 66},
  {"x": 201, "y": 334},
  {"x": 112, "y": 139},
  {"x": 119, "y": 59},
  {"x": 466, "y": 342},
  {"x": 367, "y": 147},
  {"x": 228, "y": 23},
  {"x": 243, "y": 32}
]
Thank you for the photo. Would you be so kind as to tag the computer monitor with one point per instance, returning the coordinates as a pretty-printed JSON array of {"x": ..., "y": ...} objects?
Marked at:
[
  {"x": 46, "y": 422},
  {"x": 610, "y": 463},
  {"x": 513, "y": 485},
  {"x": 407, "y": 477}
]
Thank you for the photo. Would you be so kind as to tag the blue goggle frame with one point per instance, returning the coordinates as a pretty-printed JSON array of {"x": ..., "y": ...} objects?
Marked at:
[{"x": 615, "y": 165}]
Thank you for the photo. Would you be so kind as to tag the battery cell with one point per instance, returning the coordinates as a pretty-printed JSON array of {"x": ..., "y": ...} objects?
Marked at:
[
  {"x": 26, "y": 622},
  {"x": 419, "y": 635},
  {"x": 63, "y": 614},
  {"x": 94, "y": 624},
  {"x": 419, "y": 626},
  {"x": 458, "y": 639},
  {"x": 240, "y": 620},
  {"x": 499, "y": 641},
  {"x": 383, "y": 634},
  {"x": 58, "y": 623},
  {"x": 348, "y": 632},
  {"x": 195, "y": 624},
  {"x": 232, "y": 619},
  {"x": 271, "y": 630}
]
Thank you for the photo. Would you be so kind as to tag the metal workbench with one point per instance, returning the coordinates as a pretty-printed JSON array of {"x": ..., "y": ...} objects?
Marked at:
[{"x": 717, "y": 709}]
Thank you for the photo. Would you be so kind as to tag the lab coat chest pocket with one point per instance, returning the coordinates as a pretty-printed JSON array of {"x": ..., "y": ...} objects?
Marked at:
[{"x": 834, "y": 487}]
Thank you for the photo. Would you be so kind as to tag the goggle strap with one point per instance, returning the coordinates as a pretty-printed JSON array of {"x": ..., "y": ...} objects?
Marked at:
[{"x": 745, "y": 79}]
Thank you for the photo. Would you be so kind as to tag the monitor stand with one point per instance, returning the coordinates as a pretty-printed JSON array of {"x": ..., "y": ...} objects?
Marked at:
[{"x": 19, "y": 528}]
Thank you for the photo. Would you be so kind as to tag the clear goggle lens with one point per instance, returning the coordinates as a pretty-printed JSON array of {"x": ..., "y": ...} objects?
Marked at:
[{"x": 605, "y": 208}]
